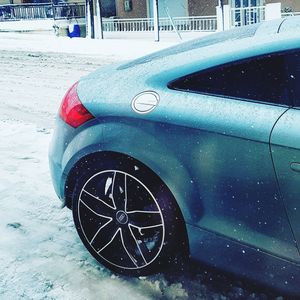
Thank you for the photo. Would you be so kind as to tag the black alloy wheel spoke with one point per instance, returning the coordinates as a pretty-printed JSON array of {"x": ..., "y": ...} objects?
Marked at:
[
  {"x": 148, "y": 255},
  {"x": 132, "y": 247},
  {"x": 104, "y": 236},
  {"x": 119, "y": 190},
  {"x": 96, "y": 205},
  {"x": 145, "y": 219}
]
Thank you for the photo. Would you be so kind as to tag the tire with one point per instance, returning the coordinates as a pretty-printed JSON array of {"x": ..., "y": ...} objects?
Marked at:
[{"x": 126, "y": 216}]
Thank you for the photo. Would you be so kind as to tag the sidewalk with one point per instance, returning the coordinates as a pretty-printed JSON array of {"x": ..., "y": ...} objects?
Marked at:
[
  {"x": 27, "y": 26},
  {"x": 124, "y": 45}
]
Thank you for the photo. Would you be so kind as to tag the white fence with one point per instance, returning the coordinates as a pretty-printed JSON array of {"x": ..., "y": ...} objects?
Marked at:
[
  {"x": 208, "y": 24},
  {"x": 41, "y": 11},
  {"x": 289, "y": 14},
  {"x": 70, "y": 10},
  {"x": 237, "y": 16}
]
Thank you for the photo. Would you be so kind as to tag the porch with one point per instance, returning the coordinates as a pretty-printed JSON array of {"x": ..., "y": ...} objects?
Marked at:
[{"x": 76, "y": 13}]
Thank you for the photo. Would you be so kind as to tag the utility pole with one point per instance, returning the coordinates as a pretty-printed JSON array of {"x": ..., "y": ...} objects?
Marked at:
[
  {"x": 99, "y": 19},
  {"x": 221, "y": 5},
  {"x": 156, "y": 20},
  {"x": 89, "y": 20},
  {"x": 93, "y": 21}
]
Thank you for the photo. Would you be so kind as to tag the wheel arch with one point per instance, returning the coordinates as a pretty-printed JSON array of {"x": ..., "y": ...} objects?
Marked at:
[
  {"x": 140, "y": 141},
  {"x": 104, "y": 154}
]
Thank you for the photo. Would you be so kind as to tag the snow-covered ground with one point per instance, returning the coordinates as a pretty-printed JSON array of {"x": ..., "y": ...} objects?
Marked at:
[{"x": 41, "y": 256}]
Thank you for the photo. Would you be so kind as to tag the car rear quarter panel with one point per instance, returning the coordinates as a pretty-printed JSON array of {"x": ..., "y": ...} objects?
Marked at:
[
  {"x": 197, "y": 144},
  {"x": 213, "y": 154}
]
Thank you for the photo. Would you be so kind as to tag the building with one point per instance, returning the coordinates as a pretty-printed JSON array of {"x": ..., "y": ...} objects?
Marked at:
[
  {"x": 180, "y": 15},
  {"x": 108, "y": 8},
  {"x": 183, "y": 8},
  {"x": 175, "y": 8}
]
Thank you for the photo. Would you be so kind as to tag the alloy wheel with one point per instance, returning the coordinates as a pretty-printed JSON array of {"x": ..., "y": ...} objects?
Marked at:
[{"x": 121, "y": 219}]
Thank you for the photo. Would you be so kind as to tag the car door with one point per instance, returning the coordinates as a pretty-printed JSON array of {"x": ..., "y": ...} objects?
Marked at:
[
  {"x": 235, "y": 107},
  {"x": 285, "y": 145}
]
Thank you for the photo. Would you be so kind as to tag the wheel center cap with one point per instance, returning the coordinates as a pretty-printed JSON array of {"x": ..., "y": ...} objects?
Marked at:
[{"x": 122, "y": 217}]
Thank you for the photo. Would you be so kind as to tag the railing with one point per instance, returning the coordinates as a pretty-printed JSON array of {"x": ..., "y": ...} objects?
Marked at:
[
  {"x": 247, "y": 15},
  {"x": 77, "y": 10},
  {"x": 41, "y": 11},
  {"x": 208, "y": 24},
  {"x": 25, "y": 11},
  {"x": 69, "y": 10},
  {"x": 289, "y": 14}
]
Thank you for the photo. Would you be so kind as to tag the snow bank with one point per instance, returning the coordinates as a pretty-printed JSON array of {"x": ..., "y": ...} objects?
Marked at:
[
  {"x": 123, "y": 45},
  {"x": 27, "y": 25}
]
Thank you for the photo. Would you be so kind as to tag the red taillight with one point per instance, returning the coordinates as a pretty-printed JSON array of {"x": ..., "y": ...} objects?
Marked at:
[{"x": 72, "y": 110}]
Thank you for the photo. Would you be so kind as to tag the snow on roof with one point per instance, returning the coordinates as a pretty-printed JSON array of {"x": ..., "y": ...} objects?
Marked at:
[
  {"x": 262, "y": 36},
  {"x": 234, "y": 34}
]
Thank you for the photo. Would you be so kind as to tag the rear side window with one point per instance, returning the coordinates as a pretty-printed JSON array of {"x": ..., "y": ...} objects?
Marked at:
[
  {"x": 264, "y": 79},
  {"x": 294, "y": 74}
]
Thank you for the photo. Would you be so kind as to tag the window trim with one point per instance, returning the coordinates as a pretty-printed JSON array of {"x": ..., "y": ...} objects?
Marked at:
[{"x": 290, "y": 101}]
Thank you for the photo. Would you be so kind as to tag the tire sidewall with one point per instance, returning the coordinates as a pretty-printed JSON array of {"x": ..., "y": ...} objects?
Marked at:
[{"x": 174, "y": 236}]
